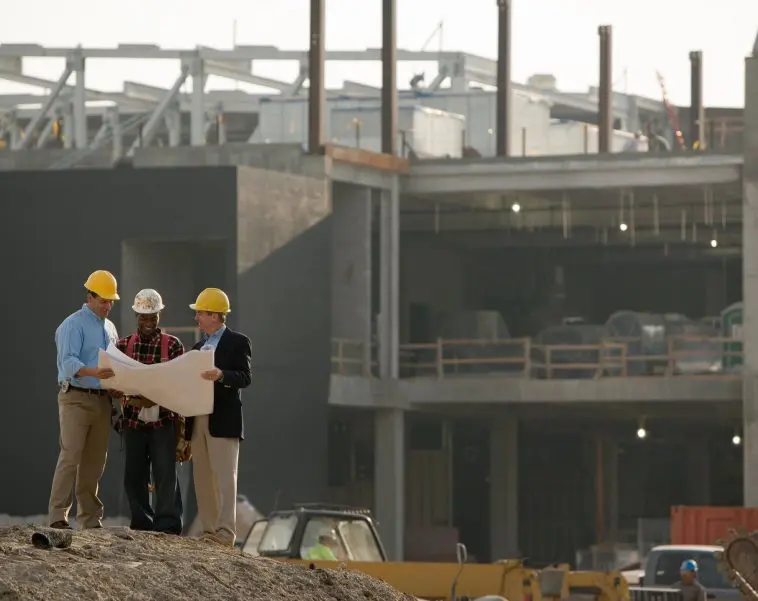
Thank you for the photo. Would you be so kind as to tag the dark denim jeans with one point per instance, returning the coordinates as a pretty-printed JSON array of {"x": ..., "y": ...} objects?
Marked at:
[{"x": 154, "y": 448}]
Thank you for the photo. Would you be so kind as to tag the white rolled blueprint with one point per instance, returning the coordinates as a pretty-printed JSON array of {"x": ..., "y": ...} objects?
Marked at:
[{"x": 175, "y": 385}]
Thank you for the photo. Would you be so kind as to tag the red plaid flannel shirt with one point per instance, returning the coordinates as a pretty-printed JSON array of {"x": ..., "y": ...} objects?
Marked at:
[{"x": 148, "y": 351}]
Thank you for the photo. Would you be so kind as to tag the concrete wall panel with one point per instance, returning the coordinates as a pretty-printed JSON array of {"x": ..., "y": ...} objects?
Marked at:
[
  {"x": 284, "y": 289},
  {"x": 352, "y": 272},
  {"x": 60, "y": 226}
]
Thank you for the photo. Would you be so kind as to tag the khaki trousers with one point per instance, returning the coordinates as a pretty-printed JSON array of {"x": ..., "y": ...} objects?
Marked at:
[
  {"x": 214, "y": 468},
  {"x": 85, "y": 424}
]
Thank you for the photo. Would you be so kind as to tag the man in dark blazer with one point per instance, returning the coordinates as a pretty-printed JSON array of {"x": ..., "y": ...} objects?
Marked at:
[{"x": 216, "y": 437}]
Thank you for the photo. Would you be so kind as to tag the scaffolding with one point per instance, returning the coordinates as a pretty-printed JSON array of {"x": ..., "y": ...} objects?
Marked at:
[{"x": 78, "y": 117}]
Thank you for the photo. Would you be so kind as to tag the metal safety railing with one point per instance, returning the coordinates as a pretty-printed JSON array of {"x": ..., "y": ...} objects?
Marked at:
[
  {"x": 353, "y": 358},
  {"x": 675, "y": 356}
]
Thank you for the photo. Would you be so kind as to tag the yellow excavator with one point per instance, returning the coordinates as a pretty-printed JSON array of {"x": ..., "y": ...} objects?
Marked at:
[{"x": 321, "y": 536}]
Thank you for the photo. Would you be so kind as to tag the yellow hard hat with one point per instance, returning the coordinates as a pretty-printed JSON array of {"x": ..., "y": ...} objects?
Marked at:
[
  {"x": 103, "y": 283},
  {"x": 213, "y": 300}
]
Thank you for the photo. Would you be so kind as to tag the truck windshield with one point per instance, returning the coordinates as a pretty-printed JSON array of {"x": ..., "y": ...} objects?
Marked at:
[
  {"x": 347, "y": 538},
  {"x": 668, "y": 564},
  {"x": 254, "y": 538},
  {"x": 278, "y": 533},
  {"x": 325, "y": 537}
]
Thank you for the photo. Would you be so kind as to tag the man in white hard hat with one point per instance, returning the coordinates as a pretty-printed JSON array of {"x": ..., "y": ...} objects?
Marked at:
[
  {"x": 84, "y": 405},
  {"x": 216, "y": 437},
  {"x": 149, "y": 431}
]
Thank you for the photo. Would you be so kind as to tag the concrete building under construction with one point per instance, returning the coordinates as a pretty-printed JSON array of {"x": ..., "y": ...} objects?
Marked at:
[{"x": 463, "y": 303}]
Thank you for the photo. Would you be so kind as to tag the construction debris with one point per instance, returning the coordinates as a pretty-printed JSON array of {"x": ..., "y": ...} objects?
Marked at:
[
  {"x": 738, "y": 561},
  {"x": 47, "y": 538},
  {"x": 120, "y": 564}
]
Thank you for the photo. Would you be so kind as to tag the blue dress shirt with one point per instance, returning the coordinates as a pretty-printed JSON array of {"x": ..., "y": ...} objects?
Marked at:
[
  {"x": 211, "y": 342},
  {"x": 78, "y": 340}
]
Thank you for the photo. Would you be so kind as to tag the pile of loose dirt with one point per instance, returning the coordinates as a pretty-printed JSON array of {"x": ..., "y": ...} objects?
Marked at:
[{"x": 119, "y": 564}]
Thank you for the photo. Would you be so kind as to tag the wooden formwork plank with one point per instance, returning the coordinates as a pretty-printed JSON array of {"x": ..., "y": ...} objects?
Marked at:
[{"x": 366, "y": 158}]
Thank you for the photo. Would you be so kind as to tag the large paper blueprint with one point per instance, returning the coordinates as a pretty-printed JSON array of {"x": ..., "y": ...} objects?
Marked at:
[{"x": 175, "y": 385}]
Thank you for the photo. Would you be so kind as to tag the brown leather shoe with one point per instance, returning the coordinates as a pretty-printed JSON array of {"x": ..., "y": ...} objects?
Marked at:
[
  {"x": 61, "y": 525},
  {"x": 217, "y": 539}
]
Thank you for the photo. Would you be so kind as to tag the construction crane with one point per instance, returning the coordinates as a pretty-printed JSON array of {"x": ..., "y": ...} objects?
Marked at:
[{"x": 671, "y": 111}]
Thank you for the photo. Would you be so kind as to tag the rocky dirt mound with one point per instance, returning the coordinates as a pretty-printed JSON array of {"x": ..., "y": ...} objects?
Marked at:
[{"x": 120, "y": 564}]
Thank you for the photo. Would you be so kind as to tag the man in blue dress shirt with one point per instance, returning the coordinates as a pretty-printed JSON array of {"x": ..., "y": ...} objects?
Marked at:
[{"x": 84, "y": 405}]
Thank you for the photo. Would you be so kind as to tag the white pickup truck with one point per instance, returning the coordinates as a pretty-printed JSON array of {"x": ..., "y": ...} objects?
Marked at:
[{"x": 662, "y": 572}]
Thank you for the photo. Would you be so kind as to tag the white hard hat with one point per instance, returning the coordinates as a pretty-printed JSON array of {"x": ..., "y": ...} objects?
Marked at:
[{"x": 147, "y": 302}]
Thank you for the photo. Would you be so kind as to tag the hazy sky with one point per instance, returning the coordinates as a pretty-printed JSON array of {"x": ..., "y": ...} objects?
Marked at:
[{"x": 550, "y": 36}]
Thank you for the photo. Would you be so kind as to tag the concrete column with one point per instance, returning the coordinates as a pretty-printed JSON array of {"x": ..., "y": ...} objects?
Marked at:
[
  {"x": 351, "y": 271},
  {"x": 611, "y": 456},
  {"x": 750, "y": 282},
  {"x": 389, "y": 480},
  {"x": 389, "y": 306},
  {"x": 504, "y": 488}
]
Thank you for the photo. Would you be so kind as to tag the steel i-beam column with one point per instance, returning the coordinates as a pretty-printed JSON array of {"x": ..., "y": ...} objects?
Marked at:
[
  {"x": 317, "y": 89},
  {"x": 389, "y": 77},
  {"x": 605, "y": 101},
  {"x": 114, "y": 122},
  {"x": 750, "y": 283},
  {"x": 68, "y": 124},
  {"x": 173, "y": 121},
  {"x": 697, "y": 112},
  {"x": 79, "y": 101},
  {"x": 13, "y": 129},
  {"x": 503, "y": 119},
  {"x": 196, "y": 70}
]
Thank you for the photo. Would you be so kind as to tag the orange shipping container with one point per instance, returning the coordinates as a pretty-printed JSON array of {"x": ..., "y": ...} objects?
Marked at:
[{"x": 706, "y": 525}]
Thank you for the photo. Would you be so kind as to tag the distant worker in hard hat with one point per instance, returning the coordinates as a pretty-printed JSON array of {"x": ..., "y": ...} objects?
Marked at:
[
  {"x": 151, "y": 434},
  {"x": 84, "y": 404},
  {"x": 323, "y": 549},
  {"x": 216, "y": 437},
  {"x": 689, "y": 585}
]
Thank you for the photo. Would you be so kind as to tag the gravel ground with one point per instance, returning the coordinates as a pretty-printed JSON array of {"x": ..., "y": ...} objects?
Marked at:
[{"x": 119, "y": 564}]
